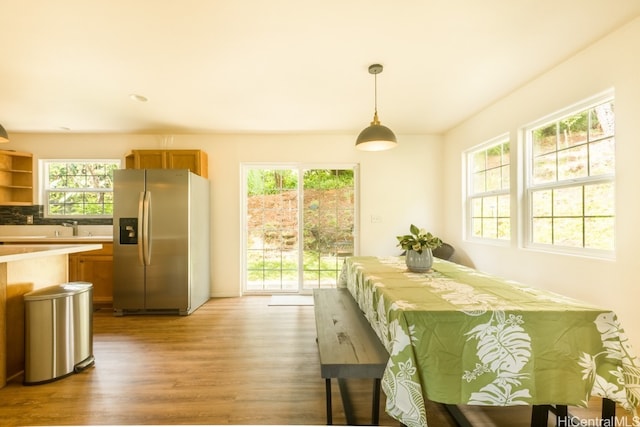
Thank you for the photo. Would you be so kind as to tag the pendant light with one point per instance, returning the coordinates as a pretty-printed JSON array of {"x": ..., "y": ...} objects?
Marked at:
[
  {"x": 376, "y": 137},
  {"x": 4, "y": 137}
]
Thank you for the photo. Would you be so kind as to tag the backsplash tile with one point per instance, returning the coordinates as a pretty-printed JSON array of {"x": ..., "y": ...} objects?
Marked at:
[{"x": 17, "y": 215}]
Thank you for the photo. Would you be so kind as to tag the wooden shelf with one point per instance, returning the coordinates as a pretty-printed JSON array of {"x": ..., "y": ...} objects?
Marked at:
[{"x": 16, "y": 178}]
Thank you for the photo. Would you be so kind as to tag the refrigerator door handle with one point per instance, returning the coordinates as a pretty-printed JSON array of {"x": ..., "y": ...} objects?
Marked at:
[
  {"x": 140, "y": 227},
  {"x": 146, "y": 241}
]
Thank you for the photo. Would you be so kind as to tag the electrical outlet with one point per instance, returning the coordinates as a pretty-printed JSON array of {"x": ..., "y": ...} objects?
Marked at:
[
  {"x": 376, "y": 218},
  {"x": 29, "y": 219}
]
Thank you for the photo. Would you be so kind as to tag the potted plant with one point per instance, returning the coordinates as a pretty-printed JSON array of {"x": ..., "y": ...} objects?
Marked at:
[{"x": 418, "y": 246}]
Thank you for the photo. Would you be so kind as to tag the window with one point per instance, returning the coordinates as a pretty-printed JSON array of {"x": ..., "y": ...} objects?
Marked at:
[
  {"x": 570, "y": 181},
  {"x": 78, "y": 188},
  {"x": 488, "y": 197}
]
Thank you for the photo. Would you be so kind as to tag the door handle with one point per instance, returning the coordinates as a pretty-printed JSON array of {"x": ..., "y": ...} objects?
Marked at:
[
  {"x": 140, "y": 228},
  {"x": 146, "y": 241}
]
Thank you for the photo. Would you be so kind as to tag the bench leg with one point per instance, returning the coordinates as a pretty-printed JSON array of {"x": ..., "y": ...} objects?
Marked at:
[
  {"x": 375, "y": 406},
  {"x": 328, "y": 397}
]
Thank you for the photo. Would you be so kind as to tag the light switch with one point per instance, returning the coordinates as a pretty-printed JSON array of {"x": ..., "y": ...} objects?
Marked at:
[{"x": 376, "y": 218}]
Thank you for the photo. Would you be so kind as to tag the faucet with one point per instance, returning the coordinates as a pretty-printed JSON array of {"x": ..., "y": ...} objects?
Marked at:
[{"x": 73, "y": 225}]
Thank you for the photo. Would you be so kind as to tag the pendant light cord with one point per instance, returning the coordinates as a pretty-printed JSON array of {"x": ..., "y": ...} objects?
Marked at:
[
  {"x": 375, "y": 94},
  {"x": 375, "y": 121}
]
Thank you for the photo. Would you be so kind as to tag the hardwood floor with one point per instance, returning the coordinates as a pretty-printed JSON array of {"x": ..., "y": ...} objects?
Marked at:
[{"x": 233, "y": 361}]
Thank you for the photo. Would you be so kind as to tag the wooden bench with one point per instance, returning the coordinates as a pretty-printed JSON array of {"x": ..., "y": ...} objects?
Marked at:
[{"x": 348, "y": 348}]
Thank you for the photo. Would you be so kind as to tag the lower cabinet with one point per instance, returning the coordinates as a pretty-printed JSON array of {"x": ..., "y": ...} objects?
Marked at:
[{"x": 95, "y": 267}]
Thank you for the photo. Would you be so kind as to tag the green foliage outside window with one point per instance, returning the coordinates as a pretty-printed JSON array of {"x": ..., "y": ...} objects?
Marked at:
[
  {"x": 489, "y": 199},
  {"x": 572, "y": 191},
  {"x": 79, "y": 188}
]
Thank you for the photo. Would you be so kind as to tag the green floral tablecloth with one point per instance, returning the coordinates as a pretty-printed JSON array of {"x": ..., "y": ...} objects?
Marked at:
[{"x": 458, "y": 336}]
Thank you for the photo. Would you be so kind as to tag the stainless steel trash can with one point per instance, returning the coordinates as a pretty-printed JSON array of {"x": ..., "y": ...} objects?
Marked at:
[{"x": 58, "y": 331}]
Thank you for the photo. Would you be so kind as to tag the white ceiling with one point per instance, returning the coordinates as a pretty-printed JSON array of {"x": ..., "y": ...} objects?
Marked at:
[{"x": 218, "y": 66}]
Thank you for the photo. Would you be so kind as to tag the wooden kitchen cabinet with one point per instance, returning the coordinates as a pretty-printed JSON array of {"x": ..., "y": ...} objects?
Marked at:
[
  {"x": 95, "y": 267},
  {"x": 16, "y": 178},
  {"x": 194, "y": 160}
]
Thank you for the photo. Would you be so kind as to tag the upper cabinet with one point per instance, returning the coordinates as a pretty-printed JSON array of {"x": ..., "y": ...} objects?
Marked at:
[
  {"x": 194, "y": 160},
  {"x": 16, "y": 178}
]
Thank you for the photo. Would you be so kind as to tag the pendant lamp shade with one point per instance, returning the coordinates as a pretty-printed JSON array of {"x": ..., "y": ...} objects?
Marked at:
[
  {"x": 4, "y": 137},
  {"x": 376, "y": 137}
]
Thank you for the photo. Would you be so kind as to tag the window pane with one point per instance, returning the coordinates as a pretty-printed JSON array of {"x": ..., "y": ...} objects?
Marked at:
[
  {"x": 505, "y": 153},
  {"x": 490, "y": 207},
  {"x": 542, "y": 230},
  {"x": 504, "y": 228},
  {"x": 544, "y": 140},
  {"x": 602, "y": 121},
  {"x": 506, "y": 179},
  {"x": 57, "y": 181},
  {"x": 494, "y": 179},
  {"x": 544, "y": 169},
  {"x": 476, "y": 207},
  {"x": 73, "y": 209},
  {"x": 479, "y": 163},
  {"x": 598, "y": 233},
  {"x": 572, "y": 163},
  {"x": 567, "y": 232},
  {"x": 504, "y": 206},
  {"x": 476, "y": 225},
  {"x": 602, "y": 157},
  {"x": 494, "y": 157},
  {"x": 489, "y": 228},
  {"x": 573, "y": 130},
  {"x": 567, "y": 202},
  {"x": 541, "y": 203},
  {"x": 479, "y": 182},
  {"x": 599, "y": 200}
]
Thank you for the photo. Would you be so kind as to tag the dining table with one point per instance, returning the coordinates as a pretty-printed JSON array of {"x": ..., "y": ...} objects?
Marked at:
[{"x": 459, "y": 336}]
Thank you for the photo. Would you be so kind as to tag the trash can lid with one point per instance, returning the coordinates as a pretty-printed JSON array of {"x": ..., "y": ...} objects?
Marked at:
[{"x": 58, "y": 291}]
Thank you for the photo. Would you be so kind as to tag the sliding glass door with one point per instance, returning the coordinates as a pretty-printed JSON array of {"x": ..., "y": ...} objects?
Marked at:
[{"x": 299, "y": 224}]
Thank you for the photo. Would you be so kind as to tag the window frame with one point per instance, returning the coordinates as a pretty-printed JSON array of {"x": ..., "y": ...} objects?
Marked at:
[
  {"x": 471, "y": 195},
  {"x": 45, "y": 188},
  {"x": 529, "y": 187}
]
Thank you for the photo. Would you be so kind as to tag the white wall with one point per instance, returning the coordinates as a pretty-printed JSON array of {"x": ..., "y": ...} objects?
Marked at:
[
  {"x": 611, "y": 62},
  {"x": 393, "y": 183}
]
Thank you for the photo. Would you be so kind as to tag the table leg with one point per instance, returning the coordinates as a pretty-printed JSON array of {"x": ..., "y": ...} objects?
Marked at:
[
  {"x": 328, "y": 397},
  {"x": 375, "y": 406},
  {"x": 539, "y": 415},
  {"x": 608, "y": 411},
  {"x": 562, "y": 415}
]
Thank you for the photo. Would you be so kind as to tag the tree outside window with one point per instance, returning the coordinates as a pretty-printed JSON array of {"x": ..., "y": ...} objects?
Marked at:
[{"x": 79, "y": 188}]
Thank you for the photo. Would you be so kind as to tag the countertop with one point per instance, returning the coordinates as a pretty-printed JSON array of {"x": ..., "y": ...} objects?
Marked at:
[
  {"x": 55, "y": 234},
  {"x": 56, "y": 240},
  {"x": 10, "y": 253}
]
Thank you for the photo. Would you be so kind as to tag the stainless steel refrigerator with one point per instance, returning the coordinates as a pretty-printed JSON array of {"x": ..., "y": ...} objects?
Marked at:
[{"x": 160, "y": 241}]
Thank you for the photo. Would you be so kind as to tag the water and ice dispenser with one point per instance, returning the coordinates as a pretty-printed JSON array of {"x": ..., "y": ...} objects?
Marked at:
[{"x": 128, "y": 231}]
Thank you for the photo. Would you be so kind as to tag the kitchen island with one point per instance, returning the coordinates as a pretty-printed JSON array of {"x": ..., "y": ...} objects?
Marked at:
[{"x": 24, "y": 268}]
